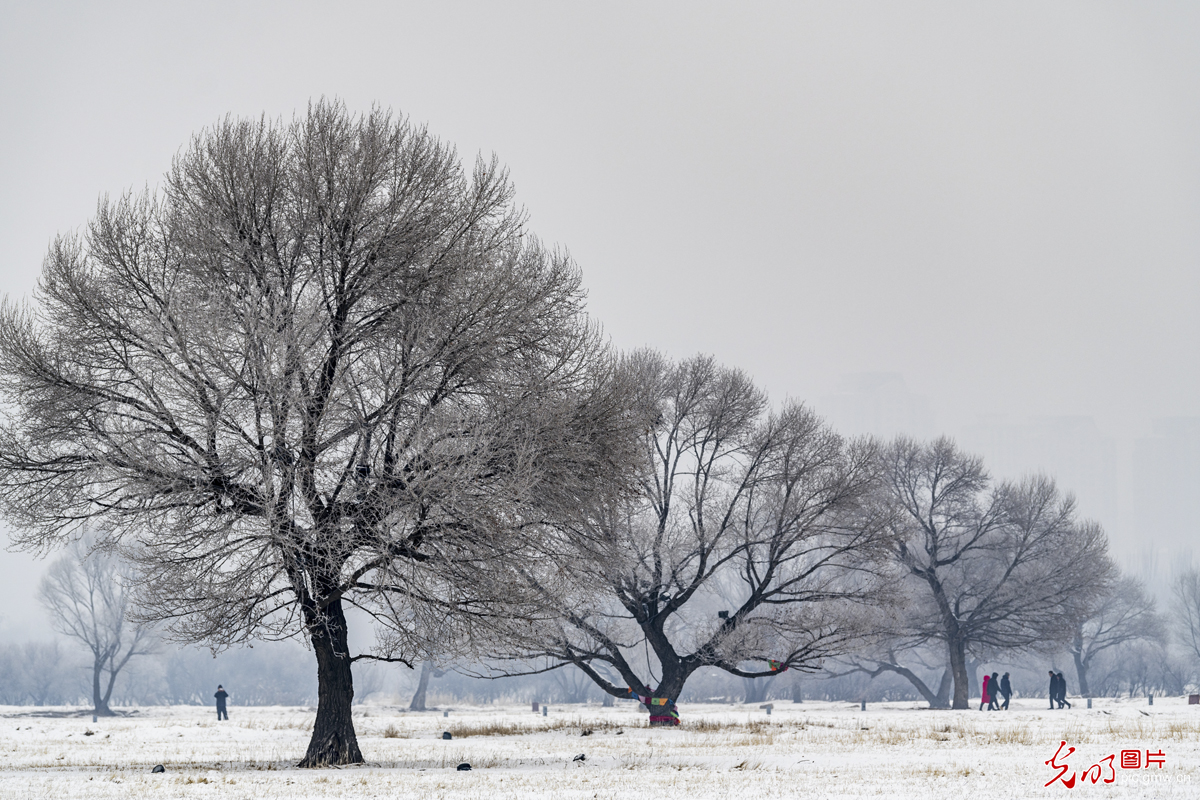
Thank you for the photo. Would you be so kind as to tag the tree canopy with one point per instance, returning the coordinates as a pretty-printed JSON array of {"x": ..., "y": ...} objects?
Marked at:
[
  {"x": 750, "y": 545},
  {"x": 324, "y": 365}
]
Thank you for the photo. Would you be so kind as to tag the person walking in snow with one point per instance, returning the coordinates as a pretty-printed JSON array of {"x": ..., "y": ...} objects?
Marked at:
[
  {"x": 1062, "y": 692},
  {"x": 221, "y": 695},
  {"x": 983, "y": 697},
  {"x": 1053, "y": 688},
  {"x": 993, "y": 696},
  {"x": 1005, "y": 691}
]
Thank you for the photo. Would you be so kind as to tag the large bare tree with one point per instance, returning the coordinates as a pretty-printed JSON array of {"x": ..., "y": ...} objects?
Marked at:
[
  {"x": 749, "y": 547},
  {"x": 1123, "y": 613},
  {"x": 1185, "y": 609},
  {"x": 992, "y": 568},
  {"x": 326, "y": 366},
  {"x": 86, "y": 592}
]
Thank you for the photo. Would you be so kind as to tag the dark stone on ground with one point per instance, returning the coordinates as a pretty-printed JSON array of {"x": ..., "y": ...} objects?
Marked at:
[{"x": 463, "y": 767}]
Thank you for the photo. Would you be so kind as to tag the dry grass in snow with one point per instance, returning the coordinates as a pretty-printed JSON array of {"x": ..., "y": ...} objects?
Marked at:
[{"x": 811, "y": 750}]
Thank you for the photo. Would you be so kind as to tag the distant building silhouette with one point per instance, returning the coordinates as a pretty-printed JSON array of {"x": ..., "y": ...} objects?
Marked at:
[
  {"x": 1071, "y": 449},
  {"x": 879, "y": 404},
  {"x": 1166, "y": 499}
]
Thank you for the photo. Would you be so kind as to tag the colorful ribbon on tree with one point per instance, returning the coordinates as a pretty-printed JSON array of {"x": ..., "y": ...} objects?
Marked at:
[
  {"x": 669, "y": 718},
  {"x": 649, "y": 701}
]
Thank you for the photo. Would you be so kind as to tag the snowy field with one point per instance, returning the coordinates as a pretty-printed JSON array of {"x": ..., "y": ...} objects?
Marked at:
[{"x": 721, "y": 751}]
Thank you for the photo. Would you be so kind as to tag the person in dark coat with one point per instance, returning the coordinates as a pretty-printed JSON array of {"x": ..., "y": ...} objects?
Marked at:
[
  {"x": 1062, "y": 692},
  {"x": 221, "y": 695},
  {"x": 1005, "y": 691},
  {"x": 1053, "y": 688},
  {"x": 994, "y": 693}
]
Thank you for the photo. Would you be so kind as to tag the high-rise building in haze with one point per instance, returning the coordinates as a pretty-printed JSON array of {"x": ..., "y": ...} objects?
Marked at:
[
  {"x": 879, "y": 404},
  {"x": 1071, "y": 449},
  {"x": 1166, "y": 498}
]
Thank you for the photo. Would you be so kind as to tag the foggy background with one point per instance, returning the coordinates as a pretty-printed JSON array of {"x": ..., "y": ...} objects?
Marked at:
[{"x": 920, "y": 218}]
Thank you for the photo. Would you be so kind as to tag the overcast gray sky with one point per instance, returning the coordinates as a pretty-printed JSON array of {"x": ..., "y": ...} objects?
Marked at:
[{"x": 997, "y": 201}]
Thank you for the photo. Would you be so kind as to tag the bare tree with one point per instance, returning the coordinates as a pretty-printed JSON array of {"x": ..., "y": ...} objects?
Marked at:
[
  {"x": 42, "y": 664},
  {"x": 748, "y": 547},
  {"x": 1139, "y": 667},
  {"x": 754, "y": 690},
  {"x": 34, "y": 673},
  {"x": 11, "y": 690},
  {"x": 1124, "y": 613},
  {"x": 573, "y": 686},
  {"x": 994, "y": 569},
  {"x": 1186, "y": 609},
  {"x": 428, "y": 671},
  {"x": 327, "y": 367},
  {"x": 86, "y": 593},
  {"x": 895, "y": 651}
]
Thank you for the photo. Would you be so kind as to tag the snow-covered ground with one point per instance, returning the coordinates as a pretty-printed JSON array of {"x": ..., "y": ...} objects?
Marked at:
[{"x": 720, "y": 751}]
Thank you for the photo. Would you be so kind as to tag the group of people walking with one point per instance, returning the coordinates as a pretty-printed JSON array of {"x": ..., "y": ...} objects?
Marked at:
[
  {"x": 1058, "y": 690},
  {"x": 995, "y": 687}
]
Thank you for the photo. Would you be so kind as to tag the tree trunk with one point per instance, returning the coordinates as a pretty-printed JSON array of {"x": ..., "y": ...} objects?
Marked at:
[
  {"x": 973, "y": 686},
  {"x": 756, "y": 690},
  {"x": 670, "y": 688},
  {"x": 1080, "y": 664},
  {"x": 418, "y": 700},
  {"x": 659, "y": 715},
  {"x": 939, "y": 700},
  {"x": 943, "y": 692},
  {"x": 333, "y": 739},
  {"x": 99, "y": 701},
  {"x": 958, "y": 667},
  {"x": 1081, "y": 674}
]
